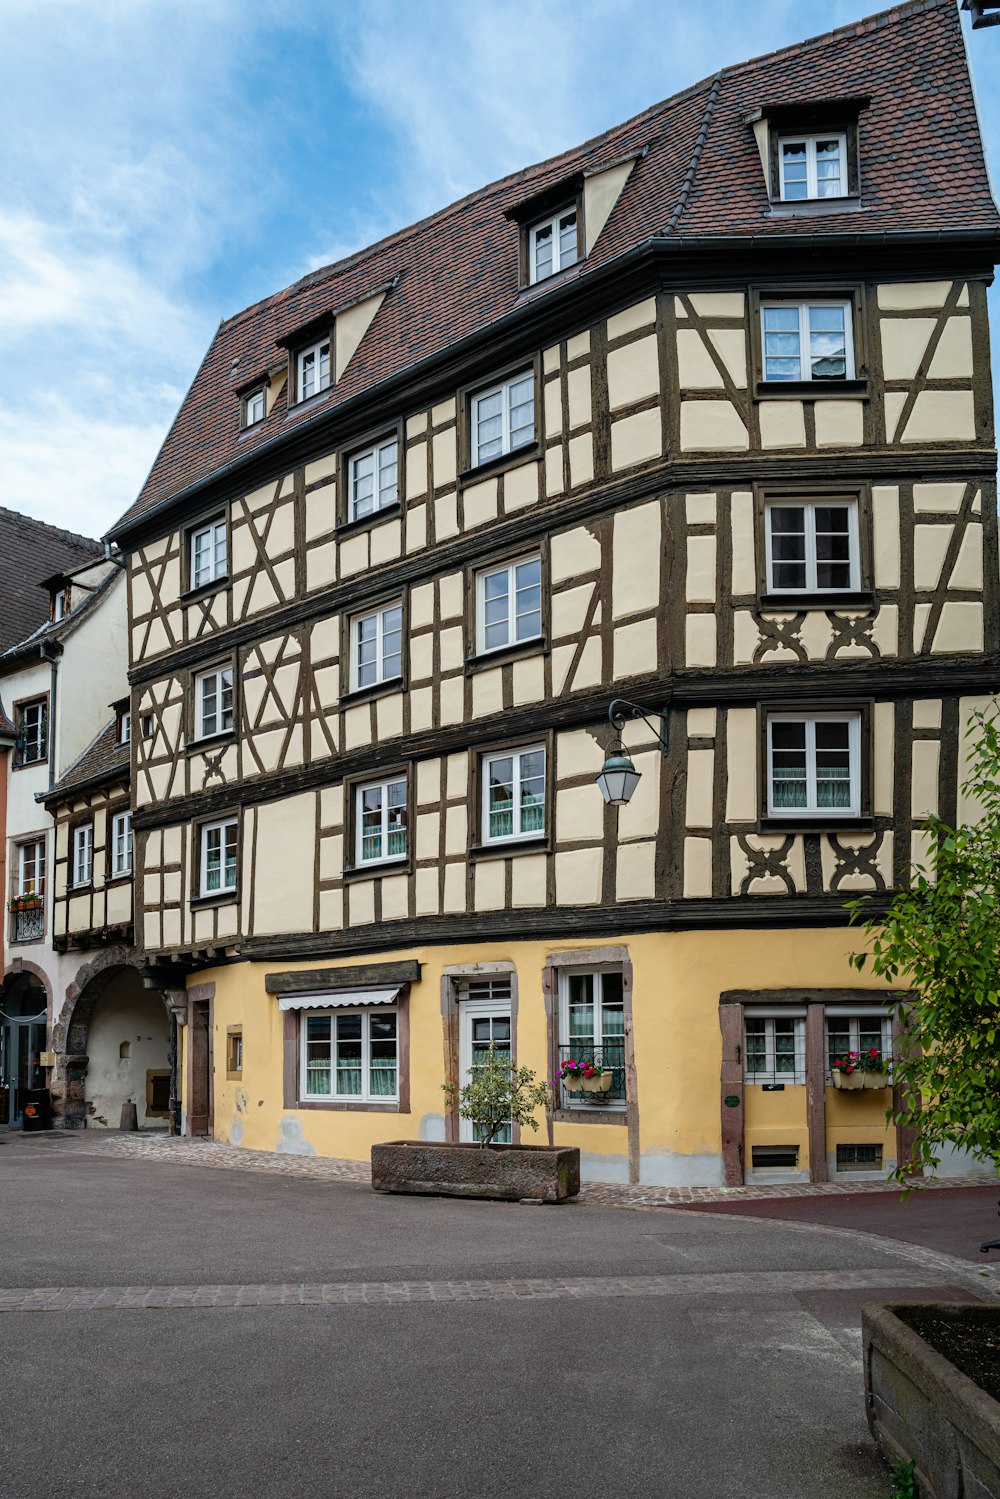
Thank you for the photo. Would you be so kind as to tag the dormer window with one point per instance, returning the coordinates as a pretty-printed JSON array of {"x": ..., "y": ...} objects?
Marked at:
[
  {"x": 312, "y": 370},
  {"x": 812, "y": 166},
  {"x": 123, "y": 726},
  {"x": 254, "y": 407},
  {"x": 553, "y": 244},
  {"x": 60, "y": 603}
]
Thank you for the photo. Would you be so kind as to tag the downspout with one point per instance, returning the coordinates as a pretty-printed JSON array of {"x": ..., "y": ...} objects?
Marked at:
[{"x": 51, "y": 651}]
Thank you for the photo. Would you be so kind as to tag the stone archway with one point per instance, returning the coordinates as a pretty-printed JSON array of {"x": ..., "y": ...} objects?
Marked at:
[{"x": 113, "y": 1043}]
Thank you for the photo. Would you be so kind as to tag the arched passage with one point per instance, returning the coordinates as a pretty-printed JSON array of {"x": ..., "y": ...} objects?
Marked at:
[
  {"x": 113, "y": 1046},
  {"x": 23, "y": 1022}
]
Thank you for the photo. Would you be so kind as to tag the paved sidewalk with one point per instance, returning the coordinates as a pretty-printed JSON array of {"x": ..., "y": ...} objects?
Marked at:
[{"x": 182, "y": 1151}]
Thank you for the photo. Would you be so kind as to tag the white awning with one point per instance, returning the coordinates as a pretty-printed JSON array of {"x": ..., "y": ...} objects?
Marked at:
[{"x": 339, "y": 999}]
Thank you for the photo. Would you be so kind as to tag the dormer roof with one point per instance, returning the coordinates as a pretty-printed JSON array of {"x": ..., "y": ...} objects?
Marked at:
[{"x": 693, "y": 172}]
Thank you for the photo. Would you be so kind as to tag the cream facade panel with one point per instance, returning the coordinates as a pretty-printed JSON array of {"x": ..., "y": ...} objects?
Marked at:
[
  {"x": 712, "y": 424},
  {"x": 635, "y": 439},
  {"x": 782, "y": 424},
  {"x": 633, "y": 372},
  {"x": 636, "y": 560}
]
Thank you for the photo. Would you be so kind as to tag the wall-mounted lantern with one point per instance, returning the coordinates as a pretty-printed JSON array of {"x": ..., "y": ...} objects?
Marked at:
[{"x": 619, "y": 777}]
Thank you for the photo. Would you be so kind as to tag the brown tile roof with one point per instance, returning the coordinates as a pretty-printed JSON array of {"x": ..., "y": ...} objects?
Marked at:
[
  {"x": 103, "y": 761},
  {"x": 7, "y": 729},
  {"x": 30, "y": 552},
  {"x": 28, "y": 646},
  {"x": 456, "y": 273}
]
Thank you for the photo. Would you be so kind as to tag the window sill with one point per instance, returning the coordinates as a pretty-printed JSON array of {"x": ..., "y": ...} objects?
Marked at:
[
  {"x": 504, "y": 850},
  {"x": 195, "y": 595},
  {"x": 768, "y": 390},
  {"x": 582, "y": 1115},
  {"x": 532, "y": 451},
  {"x": 210, "y": 742},
  {"x": 557, "y": 278},
  {"x": 208, "y": 902},
  {"x": 789, "y": 603},
  {"x": 538, "y": 645},
  {"x": 234, "y": 1077},
  {"x": 366, "y": 522},
  {"x": 377, "y": 689},
  {"x": 795, "y": 208},
  {"x": 29, "y": 764},
  {"x": 309, "y": 403},
  {"x": 118, "y": 879},
  {"x": 80, "y": 887},
  {"x": 341, "y": 1106},
  {"x": 814, "y": 823},
  {"x": 376, "y": 868}
]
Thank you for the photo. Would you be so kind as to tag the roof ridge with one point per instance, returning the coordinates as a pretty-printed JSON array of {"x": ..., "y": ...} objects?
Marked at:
[
  {"x": 21, "y": 515},
  {"x": 875, "y": 22},
  {"x": 689, "y": 176}
]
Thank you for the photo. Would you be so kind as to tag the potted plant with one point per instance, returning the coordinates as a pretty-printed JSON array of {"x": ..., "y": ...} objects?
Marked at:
[
  {"x": 579, "y": 1076},
  {"x": 857, "y": 1069},
  {"x": 496, "y": 1095},
  {"x": 28, "y": 902},
  {"x": 597, "y": 1079}
]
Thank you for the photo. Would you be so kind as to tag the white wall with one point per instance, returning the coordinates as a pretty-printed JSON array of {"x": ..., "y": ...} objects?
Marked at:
[{"x": 126, "y": 1013}]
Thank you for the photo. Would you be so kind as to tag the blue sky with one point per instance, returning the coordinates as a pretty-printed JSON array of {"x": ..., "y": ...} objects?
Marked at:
[{"x": 168, "y": 162}]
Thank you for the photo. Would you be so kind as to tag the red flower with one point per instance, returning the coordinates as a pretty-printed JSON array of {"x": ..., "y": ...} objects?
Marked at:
[{"x": 873, "y": 1051}]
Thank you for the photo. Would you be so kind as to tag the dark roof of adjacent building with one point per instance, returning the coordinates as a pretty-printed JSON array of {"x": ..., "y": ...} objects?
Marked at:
[
  {"x": 30, "y": 552},
  {"x": 55, "y": 631},
  {"x": 455, "y": 274},
  {"x": 102, "y": 763},
  {"x": 7, "y": 729}
]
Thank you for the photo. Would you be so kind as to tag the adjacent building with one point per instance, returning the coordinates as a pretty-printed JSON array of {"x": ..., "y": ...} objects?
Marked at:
[
  {"x": 697, "y": 416},
  {"x": 75, "y": 1014}
]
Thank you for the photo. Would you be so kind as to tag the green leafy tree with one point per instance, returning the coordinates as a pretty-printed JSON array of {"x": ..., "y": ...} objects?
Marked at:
[
  {"x": 498, "y": 1094},
  {"x": 940, "y": 939}
]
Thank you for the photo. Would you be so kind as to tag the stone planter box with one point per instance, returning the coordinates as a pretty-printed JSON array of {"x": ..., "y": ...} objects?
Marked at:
[
  {"x": 508, "y": 1173},
  {"x": 922, "y": 1409}
]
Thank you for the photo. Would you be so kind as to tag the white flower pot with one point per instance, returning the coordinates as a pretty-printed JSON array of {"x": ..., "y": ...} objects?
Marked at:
[
  {"x": 599, "y": 1084},
  {"x": 572, "y": 1084}
]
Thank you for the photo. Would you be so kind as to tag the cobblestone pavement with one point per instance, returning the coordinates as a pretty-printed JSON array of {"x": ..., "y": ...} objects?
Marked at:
[
  {"x": 407, "y": 1292},
  {"x": 178, "y": 1151}
]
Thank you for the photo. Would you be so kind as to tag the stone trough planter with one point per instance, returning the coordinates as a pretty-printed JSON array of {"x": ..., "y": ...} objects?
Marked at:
[
  {"x": 508, "y": 1173},
  {"x": 922, "y": 1408}
]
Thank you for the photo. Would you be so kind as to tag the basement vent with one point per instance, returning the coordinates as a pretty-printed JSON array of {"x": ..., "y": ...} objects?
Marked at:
[
  {"x": 774, "y": 1157},
  {"x": 859, "y": 1158}
]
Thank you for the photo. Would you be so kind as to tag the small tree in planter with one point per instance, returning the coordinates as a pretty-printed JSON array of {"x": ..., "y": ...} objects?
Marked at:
[
  {"x": 941, "y": 937},
  {"x": 498, "y": 1094}
]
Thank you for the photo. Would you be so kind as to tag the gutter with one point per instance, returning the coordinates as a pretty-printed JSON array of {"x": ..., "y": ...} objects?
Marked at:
[
  {"x": 51, "y": 651},
  {"x": 647, "y": 248}
]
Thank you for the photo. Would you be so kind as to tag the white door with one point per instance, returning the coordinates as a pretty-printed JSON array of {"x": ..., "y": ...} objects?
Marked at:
[{"x": 484, "y": 1019}]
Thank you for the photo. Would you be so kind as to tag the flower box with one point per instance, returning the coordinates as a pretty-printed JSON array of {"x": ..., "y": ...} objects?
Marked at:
[
  {"x": 852, "y": 1081},
  {"x": 508, "y": 1173},
  {"x": 599, "y": 1083}
]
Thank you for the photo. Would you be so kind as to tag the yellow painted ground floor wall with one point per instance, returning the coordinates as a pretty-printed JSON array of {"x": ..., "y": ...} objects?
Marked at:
[{"x": 675, "y": 1136}]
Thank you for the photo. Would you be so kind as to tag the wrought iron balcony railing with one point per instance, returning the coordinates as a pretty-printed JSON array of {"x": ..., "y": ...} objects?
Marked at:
[
  {"x": 27, "y": 924},
  {"x": 603, "y": 1059}
]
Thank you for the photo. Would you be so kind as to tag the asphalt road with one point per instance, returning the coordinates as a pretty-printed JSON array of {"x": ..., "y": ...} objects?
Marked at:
[{"x": 638, "y": 1353}]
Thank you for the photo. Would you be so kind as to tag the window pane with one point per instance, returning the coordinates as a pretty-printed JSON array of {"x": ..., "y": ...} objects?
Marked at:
[
  {"x": 318, "y": 1070},
  {"x": 496, "y": 609},
  {"x": 396, "y": 818},
  {"x": 788, "y": 765},
  {"x": 362, "y": 484},
  {"x": 543, "y": 252},
  {"x": 833, "y": 546},
  {"x": 833, "y": 765},
  {"x": 756, "y": 1045},
  {"x": 788, "y": 546},
  {"x": 521, "y": 397},
  {"x": 781, "y": 343},
  {"x": 533, "y": 791},
  {"x": 387, "y": 474},
  {"x": 828, "y": 175},
  {"x": 827, "y": 343},
  {"x": 371, "y": 822},
  {"x": 784, "y": 1045},
  {"x": 528, "y": 599},
  {"x": 567, "y": 240},
  {"x": 489, "y": 426},
  {"x": 795, "y": 169},
  {"x": 501, "y": 797},
  {"x": 392, "y": 643}
]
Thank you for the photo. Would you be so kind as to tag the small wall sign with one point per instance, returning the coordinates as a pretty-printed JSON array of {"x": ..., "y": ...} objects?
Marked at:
[
  {"x": 732, "y": 1101},
  {"x": 774, "y": 1088}
]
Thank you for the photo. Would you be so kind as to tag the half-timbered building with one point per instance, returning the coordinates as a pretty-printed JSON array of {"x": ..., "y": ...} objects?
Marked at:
[{"x": 698, "y": 416}]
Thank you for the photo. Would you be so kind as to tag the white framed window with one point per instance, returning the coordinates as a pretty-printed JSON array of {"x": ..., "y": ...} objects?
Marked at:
[
  {"x": 217, "y": 867},
  {"x": 774, "y": 1046},
  {"x": 124, "y": 727},
  {"x": 30, "y": 870},
  {"x": 121, "y": 843},
  {"x": 811, "y": 340},
  {"x": 380, "y": 817},
  {"x": 852, "y": 1029},
  {"x": 213, "y": 702},
  {"x": 509, "y": 603},
  {"x": 352, "y": 1055},
  {"x": 312, "y": 370},
  {"x": 812, "y": 166},
  {"x": 209, "y": 553},
  {"x": 812, "y": 546},
  {"x": 254, "y": 408},
  {"x": 814, "y": 764},
  {"x": 32, "y": 733},
  {"x": 592, "y": 1030},
  {"x": 552, "y": 245},
  {"x": 83, "y": 854},
  {"x": 503, "y": 418},
  {"x": 373, "y": 479},
  {"x": 514, "y": 794},
  {"x": 59, "y": 610},
  {"x": 377, "y": 647}
]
